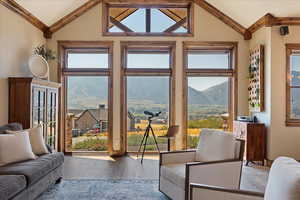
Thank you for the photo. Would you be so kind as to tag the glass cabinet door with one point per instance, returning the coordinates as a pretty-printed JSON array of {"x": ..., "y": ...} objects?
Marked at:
[
  {"x": 52, "y": 117},
  {"x": 39, "y": 107}
]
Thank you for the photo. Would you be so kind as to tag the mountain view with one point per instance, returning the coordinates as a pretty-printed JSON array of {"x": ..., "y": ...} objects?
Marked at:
[
  {"x": 295, "y": 94},
  {"x": 87, "y": 92}
]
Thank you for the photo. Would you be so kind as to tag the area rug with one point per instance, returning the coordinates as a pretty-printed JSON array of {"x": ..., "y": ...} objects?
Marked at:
[{"x": 98, "y": 189}]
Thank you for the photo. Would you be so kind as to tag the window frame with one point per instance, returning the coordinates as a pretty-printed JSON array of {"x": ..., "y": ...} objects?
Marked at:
[
  {"x": 164, "y": 4},
  {"x": 64, "y": 47},
  {"x": 231, "y": 72},
  {"x": 155, "y": 72},
  {"x": 291, "y": 48}
]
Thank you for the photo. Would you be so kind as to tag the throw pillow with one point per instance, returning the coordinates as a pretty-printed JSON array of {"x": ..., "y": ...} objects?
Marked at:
[
  {"x": 15, "y": 148},
  {"x": 36, "y": 139},
  {"x": 215, "y": 145}
]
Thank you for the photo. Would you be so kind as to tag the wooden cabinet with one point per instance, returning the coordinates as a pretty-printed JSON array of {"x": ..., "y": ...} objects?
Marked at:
[
  {"x": 34, "y": 102},
  {"x": 255, "y": 136}
]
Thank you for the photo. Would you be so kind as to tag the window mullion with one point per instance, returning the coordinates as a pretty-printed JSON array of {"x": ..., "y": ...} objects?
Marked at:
[{"x": 148, "y": 20}]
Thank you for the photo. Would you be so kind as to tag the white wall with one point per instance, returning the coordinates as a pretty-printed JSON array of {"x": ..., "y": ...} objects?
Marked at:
[
  {"x": 207, "y": 28},
  {"x": 17, "y": 40}
]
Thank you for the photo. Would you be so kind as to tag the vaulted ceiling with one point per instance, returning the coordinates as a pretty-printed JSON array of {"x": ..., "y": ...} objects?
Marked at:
[
  {"x": 50, "y": 11},
  {"x": 244, "y": 16},
  {"x": 245, "y": 12}
]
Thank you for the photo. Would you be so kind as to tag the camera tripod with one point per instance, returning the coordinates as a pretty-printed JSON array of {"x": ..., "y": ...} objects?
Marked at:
[{"x": 146, "y": 134}]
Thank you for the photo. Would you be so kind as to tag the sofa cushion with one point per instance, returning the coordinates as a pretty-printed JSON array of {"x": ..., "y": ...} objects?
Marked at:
[
  {"x": 215, "y": 145},
  {"x": 175, "y": 173},
  {"x": 15, "y": 148},
  {"x": 10, "y": 127},
  {"x": 34, "y": 170},
  {"x": 10, "y": 185},
  {"x": 36, "y": 139},
  {"x": 284, "y": 180}
]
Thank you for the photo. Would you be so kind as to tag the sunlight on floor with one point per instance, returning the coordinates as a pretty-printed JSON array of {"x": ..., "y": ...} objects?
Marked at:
[
  {"x": 96, "y": 157},
  {"x": 148, "y": 157}
]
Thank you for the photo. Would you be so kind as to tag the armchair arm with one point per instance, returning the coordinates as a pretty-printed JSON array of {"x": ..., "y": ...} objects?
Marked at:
[
  {"x": 205, "y": 192},
  {"x": 176, "y": 157},
  {"x": 224, "y": 173}
]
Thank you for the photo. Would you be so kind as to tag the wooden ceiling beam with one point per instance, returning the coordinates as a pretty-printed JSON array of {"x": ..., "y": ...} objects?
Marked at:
[
  {"x": 16, "y": 8},
  {"x": 267, "y": 20},
  {"x": 71, "y": 17},
  {"x": 224, "y": 18},
  {"x": 287, "y": 21}
]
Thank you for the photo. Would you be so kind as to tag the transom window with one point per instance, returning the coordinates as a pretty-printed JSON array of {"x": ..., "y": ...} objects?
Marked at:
[
  {"x": 148, "y": 59},
  {"x": 208, "y": 59},
  {"x": 293, "y": 85},
  {"x": 135, "y": 20},
  {"x": 86, "y": 58}
]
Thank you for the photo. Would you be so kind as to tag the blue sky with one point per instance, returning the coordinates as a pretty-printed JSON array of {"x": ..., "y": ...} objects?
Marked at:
[{"x": 295, "y": 62}]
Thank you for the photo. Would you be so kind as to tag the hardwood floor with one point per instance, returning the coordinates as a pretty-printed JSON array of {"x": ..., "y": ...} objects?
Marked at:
[{"x": 129, "y": 167}]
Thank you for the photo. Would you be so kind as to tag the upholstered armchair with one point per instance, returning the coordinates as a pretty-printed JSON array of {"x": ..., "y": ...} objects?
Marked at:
[
  {"x": 283, "y": 184},
  {"x": 217, "y": 160}
]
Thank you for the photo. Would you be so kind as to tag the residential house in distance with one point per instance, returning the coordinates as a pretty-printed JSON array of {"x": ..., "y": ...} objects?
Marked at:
[{"x": 96, "y": 119}]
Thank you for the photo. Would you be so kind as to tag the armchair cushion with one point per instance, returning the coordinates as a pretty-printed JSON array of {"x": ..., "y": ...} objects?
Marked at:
[
  {"x": 215, "y": 145},
  {"x": 175, "y": 173},
  {"x": 284, "y": 180}
]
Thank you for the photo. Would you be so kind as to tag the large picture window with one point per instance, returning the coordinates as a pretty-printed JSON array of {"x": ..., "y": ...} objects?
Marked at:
[
  {"x": 86, "y": 76},
  {"x": 147, "y": 81},
  {"x": 293, "y": 85},
  {"x": 147, "y": 19},
  {"x": 209, "y": 88}
]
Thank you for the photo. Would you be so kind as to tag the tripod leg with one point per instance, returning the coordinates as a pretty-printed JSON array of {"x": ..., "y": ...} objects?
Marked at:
[
  {"x": 154, "y": 139},
  {"x": 147, "y": 130},
  {"x": 145, "y": 145}
]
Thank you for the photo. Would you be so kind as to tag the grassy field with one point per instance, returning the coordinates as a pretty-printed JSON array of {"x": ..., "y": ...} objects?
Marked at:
[{"x": 98, "y": 142}]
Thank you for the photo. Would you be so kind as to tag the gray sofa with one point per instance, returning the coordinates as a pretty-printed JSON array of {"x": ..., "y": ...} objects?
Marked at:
[{"x": 27, "y": 180}]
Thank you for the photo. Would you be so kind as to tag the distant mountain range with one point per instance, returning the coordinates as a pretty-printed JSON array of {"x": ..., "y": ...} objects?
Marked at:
[{"x": 86, "y": 92}]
